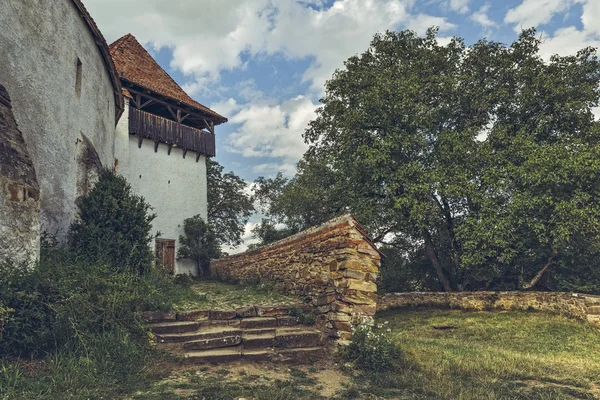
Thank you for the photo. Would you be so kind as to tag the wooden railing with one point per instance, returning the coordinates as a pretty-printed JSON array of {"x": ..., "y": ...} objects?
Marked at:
[{"x": 162, "y": 130}]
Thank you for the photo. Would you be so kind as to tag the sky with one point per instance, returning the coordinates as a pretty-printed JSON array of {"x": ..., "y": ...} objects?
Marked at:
[{"x": 263, "y": 63}]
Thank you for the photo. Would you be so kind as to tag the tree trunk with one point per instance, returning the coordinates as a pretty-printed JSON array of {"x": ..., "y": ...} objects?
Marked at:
[
  {"x": 539, "y": 275},
  {"x": 435, "y": 262}
]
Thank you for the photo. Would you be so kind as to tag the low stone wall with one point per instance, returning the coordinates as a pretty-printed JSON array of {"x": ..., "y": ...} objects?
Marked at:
[
  {"x": 334, "y": 265},
  {"x": 581, "y": 306}
]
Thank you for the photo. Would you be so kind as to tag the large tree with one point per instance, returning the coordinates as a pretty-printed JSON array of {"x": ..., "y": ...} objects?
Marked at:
[
  {"x": 483, "y": 158},
  {"x": 229, "y": 204}
]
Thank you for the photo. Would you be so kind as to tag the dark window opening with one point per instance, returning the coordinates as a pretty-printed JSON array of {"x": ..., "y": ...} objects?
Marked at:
[{"x": 78, "y": 78}]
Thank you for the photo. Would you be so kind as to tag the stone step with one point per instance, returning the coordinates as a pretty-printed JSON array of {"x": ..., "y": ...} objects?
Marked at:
[
  {"x": 204, "y": 334},
  {"x": 215, "y": 356},
  {"x": 592, "y": 301},
  {"x": 258, "y": 355},
  {"x": 296, "y": 339},
  {"x": 259, "y": 322},
  {"x": 214, "y": 343},
  {"x": 158, "y": 317},
  {"x": 301, "y": 355},
  {"x": 219, "y": 322},
  {"x": 304, "y": 355},
  {"x": 260, "y": 341},
  {"x": 594, "y": 319},
  {"x": 593, "y": 310},
  {"x": 174, "y": 327}
]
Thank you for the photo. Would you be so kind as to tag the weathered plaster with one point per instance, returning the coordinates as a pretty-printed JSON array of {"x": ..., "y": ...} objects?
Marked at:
[
  {"x": 40, "y": 44},
  {"x": 175, "y": 187},
  {"x": 19, "y": 192}
]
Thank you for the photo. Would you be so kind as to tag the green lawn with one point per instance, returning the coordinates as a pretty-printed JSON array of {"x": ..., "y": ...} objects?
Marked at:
[
  {"x": 218, "y": 295},
  {"x": 449, "y": 354},
  {"x": 483, "y": 355}
]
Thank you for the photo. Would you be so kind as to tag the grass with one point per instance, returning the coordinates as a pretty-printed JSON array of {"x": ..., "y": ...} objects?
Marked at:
[
  {"x": 218, "y": 295},
  {"x": 485, "y": 355}
]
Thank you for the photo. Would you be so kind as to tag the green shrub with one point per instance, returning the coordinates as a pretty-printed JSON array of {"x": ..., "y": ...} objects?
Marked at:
[
  {"x": 114, "y": 226},
  {"x": 198, "y": 243},
  {"x": 304, "y": 317},
  {"x": 372, "y": 350}
]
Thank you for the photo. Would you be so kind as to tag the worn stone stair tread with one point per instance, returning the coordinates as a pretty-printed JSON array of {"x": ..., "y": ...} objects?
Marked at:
[
  {"x": 212, "y": 343},
  {"x": 254, "y": 341},
  {"x": 298, "y": 339},
  {"x": 258, "y": 355},
  {"x": 218, "y": 355},
  {"x": 259, "y": 322},
  {"x": 174, "y": 327},
  {"x": 260, "y": 331},
  {"x": 300, "y": 355},
  {"x": 201, "y": 334},
  {"x": 594, "y": 310}
]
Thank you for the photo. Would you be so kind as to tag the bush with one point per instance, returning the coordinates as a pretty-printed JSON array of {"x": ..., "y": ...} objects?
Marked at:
[
  {"x": 198, "y": 243},
  {"x": 372, "y": 350},
  {"x": 305, "y": 318},
  {"x": 114, "y": 226}
]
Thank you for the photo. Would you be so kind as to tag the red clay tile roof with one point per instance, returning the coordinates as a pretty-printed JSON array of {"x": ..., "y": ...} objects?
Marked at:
[
  {"x": 105, "y": 53},
  {"x": 137, "y": 66}
]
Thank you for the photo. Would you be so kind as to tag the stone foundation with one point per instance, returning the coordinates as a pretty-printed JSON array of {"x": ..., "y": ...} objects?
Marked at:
[
  {"x": 19, "y": 192},
  {"x": 580, "y": 306},
  {"x": 334, "y": 266}
]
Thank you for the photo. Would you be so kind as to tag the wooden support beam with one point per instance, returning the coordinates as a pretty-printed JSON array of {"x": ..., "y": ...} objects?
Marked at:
[
  {"x": 172, "y": 113},
  {"x": 156, "y": 143},
  {"x": 138, "y": 100},
  {"x": 170, "y": 148},
  {"x": 184, "y": 153},
  {"x": 146, "y": 103},
  {"x": 198, "y": 157},
  {"x": 140, "y": 140},
  {"x": 184, "y": 118}
]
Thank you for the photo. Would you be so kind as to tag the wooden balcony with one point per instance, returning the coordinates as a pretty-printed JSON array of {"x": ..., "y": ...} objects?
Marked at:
[{"x": 162, "y": 130}]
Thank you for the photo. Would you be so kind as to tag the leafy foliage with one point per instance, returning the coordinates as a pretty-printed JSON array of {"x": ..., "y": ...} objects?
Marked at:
[
  {"x": 229, "y": 205},
  {"x": 482, "y": 160},
  {"x": 372, "y": 349},
  {"x": 198, "y": 243},
  {"x": 114, "y": 226}
]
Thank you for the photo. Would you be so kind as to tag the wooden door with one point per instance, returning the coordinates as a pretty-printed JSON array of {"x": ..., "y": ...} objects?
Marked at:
[{"x": 165, "y": 254}]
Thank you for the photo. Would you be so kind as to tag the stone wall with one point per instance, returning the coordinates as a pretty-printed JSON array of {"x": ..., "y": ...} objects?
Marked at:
[
  {"x": 334, "y": 265},
  {"x": 19, "y": 191},
  {"x": 55, "y": 69},
  {"x": 581, "y": 306}
]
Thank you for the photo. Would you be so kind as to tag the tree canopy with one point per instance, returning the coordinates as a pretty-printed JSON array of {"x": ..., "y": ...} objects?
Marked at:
[
  {"x": 484, "y": 159},
  {"x": 229, "y": 204}
]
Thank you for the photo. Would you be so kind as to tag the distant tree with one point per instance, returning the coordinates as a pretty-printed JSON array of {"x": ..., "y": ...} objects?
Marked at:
[
  {"x": 198, "y": 243},
  {"x": 486, "y": 160},
  {"x": 229, "y": 204},
  {"x": 113, "y": 226}
]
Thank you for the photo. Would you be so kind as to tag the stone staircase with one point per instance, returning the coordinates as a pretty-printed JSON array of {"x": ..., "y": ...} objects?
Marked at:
[
  {"x": 593, "y": 310},
  {"x": 253, "y": 334}
]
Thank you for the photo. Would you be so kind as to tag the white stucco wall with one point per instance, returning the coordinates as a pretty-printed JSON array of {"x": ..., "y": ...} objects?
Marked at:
[
  {"x": 175, "y": 187},
  {"x": 40, "y": 42}
]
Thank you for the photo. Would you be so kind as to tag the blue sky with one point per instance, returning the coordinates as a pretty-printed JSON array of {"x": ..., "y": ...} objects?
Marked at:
[{"x": 263, "y": 63}]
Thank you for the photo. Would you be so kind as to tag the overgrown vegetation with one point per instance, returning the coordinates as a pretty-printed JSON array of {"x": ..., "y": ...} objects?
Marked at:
[
  {"x": 452, "y": 354},
  {"x": 198, "y": 243},
  {"x": 372, "y": 349},
  {"x": 477, "y": 165},
  {"x": 77, "y": 313}
]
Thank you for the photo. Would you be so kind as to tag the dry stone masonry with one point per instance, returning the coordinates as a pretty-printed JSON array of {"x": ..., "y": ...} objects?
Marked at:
[
  {"x": 334, "y": 266},
  {"x": 580, "y": 306},
  {"x": 19, "y": 191}
]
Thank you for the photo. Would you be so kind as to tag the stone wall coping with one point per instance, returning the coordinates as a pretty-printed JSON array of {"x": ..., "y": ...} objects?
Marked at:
[{"x": 340, "y": 220}]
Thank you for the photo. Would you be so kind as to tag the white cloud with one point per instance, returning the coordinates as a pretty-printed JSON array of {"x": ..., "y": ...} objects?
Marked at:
[
  {"x": 532, "y": 13},
  {"x": 460, "y": 6},
  {"x": 207, "y": 37},
  {"x": 273, "y": 168},
  {"x": 267, "y": 130},
  {"x": 480, "y": 16},
  {"x": 422, "y": 22}
]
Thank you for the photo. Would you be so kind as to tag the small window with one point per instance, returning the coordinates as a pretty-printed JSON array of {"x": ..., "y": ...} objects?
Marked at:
[{"x": 78, "y": 77}]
